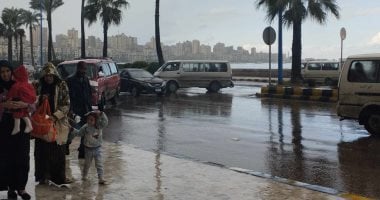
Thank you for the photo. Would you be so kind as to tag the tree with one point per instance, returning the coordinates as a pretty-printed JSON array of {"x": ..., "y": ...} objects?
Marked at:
[
  {"x": 11, "y": 18},
  {"x": 110, "y": 13},
  {"x": 82, "y": 31},
  {"x": 48, "y": 6},
  {"x": 21, "y": 33},
  {"x": 31, "y": 20},
  {"x": 294, "y": 13},
  {"x": 157, "y": 32}
]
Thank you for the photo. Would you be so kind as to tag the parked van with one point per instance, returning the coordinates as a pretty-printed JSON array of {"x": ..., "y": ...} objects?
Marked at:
[
  {"x": 212, "y": 75},
  {"x": 103, "y": 74},
  {"x": 359, "y": 91},
  {"x": 326, "y": 72}
]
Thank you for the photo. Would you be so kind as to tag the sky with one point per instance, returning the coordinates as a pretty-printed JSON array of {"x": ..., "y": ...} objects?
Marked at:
[{"x": 233, "y": 22}]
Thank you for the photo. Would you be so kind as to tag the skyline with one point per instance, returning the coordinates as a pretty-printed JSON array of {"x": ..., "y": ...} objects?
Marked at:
[{"x": 231, "y": 23}]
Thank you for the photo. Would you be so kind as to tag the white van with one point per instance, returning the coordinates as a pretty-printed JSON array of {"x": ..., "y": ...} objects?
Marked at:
[
  {"x": 359, "y": 91},
  {"x": 326, "y": 72},
  {"x": 209, "y": 74}
]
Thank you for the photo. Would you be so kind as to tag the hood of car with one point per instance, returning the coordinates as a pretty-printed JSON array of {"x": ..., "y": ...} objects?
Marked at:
[{"x": 150, "y": 80}]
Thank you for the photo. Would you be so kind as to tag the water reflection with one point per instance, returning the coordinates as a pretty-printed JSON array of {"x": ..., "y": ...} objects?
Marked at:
[
  {"x": 359, "y": 162},
  {"x": 160, "y": 147},
  {"x": 291, "y": 154}
]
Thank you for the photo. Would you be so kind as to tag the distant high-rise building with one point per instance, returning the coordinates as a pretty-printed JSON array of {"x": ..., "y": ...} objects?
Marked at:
[
  {"x": 196, "y": 46},
  {"x": 219, "y": 48},
  {"x": 205, "y": 50},
  {"x": 36, "y": 35},
  {"x": 253, "y": 51},
  {"x": 91, "y": 42},
  {"x": 72, "y": 37},
  {"x": 61, "y": 41}
]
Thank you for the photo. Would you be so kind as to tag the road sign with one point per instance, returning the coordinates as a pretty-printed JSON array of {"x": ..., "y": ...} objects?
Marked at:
[
  {"x": 343, "y": 33},
  {"x": 269, "y": 35}
]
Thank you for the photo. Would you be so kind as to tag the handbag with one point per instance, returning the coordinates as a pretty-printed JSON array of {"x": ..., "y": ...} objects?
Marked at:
[{"x": 43, "y": 126}]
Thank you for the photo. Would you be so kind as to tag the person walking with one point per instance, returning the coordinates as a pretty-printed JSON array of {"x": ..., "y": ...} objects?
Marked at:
[
  {"x": 92, "y": 132},
  {"x": 80, "y": 97},
  {"x": 14, "y": 149},
  {"x": 50, "y": 162}
]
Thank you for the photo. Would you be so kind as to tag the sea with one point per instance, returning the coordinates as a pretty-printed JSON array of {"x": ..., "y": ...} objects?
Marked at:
[{"x": 259, "y": 65}]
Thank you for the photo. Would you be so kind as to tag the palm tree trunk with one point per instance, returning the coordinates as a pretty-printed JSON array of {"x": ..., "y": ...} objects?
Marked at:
[
  {"x": 10, "y": 54},
  {"x": 105, "y": 43},
  {"x": 83, "y": 37},
  {"x": 31, "y": 44},
  {"x": 16, "y": 46},
  {"x": 21, "y": 51},
  {"x": 296, "y": 52},
  {"x": 158, "y": 37},
  {"x": 50, "y": 39}
]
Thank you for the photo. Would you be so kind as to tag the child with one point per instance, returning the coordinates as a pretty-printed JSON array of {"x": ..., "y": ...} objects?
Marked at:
[
  {"x": 23, "y": 91},
  {"x": 92, "y": 132}
]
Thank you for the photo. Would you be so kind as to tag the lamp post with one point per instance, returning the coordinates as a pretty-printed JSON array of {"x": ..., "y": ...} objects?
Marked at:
[{"x": 41, "y": 43}]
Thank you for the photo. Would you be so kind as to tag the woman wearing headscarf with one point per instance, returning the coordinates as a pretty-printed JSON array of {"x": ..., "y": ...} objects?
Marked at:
[
  {"x": 14, "y": 149},
  {"x": 50, "y": 156}
]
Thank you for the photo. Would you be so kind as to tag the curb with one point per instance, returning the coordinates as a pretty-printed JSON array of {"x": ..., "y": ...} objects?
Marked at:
[
  {"x": 317, "y": 188},
  {"x": 299, "y": 93}
]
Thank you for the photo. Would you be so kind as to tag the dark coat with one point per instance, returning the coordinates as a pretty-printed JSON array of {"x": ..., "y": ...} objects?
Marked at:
[{"x": 80, "y": 94}]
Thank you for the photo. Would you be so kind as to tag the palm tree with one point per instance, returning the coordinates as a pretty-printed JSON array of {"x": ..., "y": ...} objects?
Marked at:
[
  {"x": 157, "y": 32},
  {"x": 294, "y": 13},
  {"x": 83, "y": 35},
  {"x": 21, "y": 33},
  {"x": 11, "y": 18},
  {"x": 109, "y": 12},
  {"x": 48, "y": 6},
  {"x": 31, "y": 20}
]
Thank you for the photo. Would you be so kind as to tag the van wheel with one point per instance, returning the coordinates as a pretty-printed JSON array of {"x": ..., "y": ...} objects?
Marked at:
[
  {"x": 171, "y": 87},
  {"x": 135, "y": 92},
  {"x": 102, "y": 103},
  {"x": 329, "y": 82},
  {"x": 214, "y": 87},
  {"x": 372, "y": 123}
]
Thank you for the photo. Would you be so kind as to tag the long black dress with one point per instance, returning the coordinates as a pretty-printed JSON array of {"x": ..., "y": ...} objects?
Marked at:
[
  {"x": 14, "y": 154},
  {"x": 49, "y": 157}
]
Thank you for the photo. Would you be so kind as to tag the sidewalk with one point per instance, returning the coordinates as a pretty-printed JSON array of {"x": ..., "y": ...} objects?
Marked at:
[{"x": 138, "y": 174}]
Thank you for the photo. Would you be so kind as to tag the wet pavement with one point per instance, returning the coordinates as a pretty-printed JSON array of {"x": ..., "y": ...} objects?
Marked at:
[{"x": 138, "y": 174}]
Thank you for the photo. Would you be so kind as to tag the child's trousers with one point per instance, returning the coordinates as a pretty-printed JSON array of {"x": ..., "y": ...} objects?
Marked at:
[{"x": 90, "y": 154}]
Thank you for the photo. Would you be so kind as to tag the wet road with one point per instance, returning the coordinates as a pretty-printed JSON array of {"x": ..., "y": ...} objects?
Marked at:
[{"x": 298, "y": 140}]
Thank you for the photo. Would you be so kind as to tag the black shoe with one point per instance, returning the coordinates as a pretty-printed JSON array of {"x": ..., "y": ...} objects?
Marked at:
[
  {"x": 24, "y": 195},
  {"x": 12, "y": 194}
]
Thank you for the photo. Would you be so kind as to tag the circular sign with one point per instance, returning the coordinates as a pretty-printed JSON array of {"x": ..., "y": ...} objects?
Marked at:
[
  {"x": 269, "y": 35},
  {"x": 343, "y": 33}
]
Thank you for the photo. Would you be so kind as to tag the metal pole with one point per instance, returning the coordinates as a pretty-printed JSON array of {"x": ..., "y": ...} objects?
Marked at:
[
  {"x": 270, "y": 68},
  {"x": 341, "y": 53},
  {"x": 280, "y": 76},
  {"x": 41, "y": 43}
]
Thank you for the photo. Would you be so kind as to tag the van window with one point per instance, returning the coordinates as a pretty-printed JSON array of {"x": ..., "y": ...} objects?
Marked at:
[
  {"x": 330, "y": 66},
  {"x": 314, "y": 66},
  {"x": 221, "y": 67},
  {"x": 190, "y": 67},
  {"x": 113, "y": 68},
  {"x": 105, "y": 68},
  {"x": 174, "y": 66},
  {"x": 364, "y": 71}
]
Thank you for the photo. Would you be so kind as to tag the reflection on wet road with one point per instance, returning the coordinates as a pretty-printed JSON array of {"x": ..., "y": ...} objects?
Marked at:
[{"x": 299, "y": 140}]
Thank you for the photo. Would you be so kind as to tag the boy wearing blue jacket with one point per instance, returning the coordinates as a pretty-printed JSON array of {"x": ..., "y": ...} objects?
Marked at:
[{"x": 92, "y": 132}]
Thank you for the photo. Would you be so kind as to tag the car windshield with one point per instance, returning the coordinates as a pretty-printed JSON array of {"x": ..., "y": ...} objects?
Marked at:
[
  {"x": 140, "y": 74},
  {"x": 65, "y": 70}
]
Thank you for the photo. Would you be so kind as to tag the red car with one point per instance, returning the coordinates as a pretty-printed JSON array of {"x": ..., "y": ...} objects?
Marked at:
[{"x": 104, "y": 78}]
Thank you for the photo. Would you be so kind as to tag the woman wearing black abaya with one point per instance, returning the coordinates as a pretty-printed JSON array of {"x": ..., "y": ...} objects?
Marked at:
[{"x": 14, "y": 149}]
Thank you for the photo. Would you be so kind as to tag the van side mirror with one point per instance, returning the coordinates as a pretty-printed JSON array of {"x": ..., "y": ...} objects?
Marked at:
[{"x": 101, "y": 74}]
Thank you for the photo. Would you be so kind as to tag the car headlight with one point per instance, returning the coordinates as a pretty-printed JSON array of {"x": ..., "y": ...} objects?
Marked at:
[{"x": 163, "y": 84}]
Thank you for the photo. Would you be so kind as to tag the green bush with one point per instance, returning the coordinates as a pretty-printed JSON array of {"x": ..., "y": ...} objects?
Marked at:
[{"x": 153, "y": 66}]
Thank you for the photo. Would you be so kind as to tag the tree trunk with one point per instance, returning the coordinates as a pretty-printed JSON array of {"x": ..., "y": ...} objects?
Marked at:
[
  {"x": 31, "y": 44},
  {"x": 50, "y": 39},
  {"x": 10, "y": 54},
  {"x": 105, "y": 41},
  {"x": 83, "y": 37},
  {"x": 161, "y": 60},
  {"x": 21, "y": 51},
  {"x": 296, "y": 53},
  {"x": 16, "y": 46}
]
